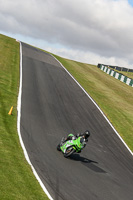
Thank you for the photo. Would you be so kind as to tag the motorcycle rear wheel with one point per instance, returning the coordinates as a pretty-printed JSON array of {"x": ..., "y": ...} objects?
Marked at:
[{"x": 69, "y": 152}]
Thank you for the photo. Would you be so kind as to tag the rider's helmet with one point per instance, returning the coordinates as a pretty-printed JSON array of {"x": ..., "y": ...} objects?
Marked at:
[{"x": 86, "y": 134}]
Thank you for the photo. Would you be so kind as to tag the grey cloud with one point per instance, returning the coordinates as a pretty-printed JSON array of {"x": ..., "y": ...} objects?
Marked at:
[{"x": 102, "y": 27}]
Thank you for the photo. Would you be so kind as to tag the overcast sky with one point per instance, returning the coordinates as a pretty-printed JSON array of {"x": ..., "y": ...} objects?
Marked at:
[{"x": 90, "y": 31}]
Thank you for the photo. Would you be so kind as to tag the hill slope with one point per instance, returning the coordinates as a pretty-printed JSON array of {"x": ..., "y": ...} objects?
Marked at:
[{"x": 113, "y": 97}]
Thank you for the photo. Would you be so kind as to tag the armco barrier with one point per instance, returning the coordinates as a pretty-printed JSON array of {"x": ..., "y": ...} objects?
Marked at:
[
  {"x": 117, "y": 68},
  {"x": 116, "y": 75}
]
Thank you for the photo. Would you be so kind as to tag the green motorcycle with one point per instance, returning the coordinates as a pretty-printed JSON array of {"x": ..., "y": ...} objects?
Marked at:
[{"x": 71, "y": 146}]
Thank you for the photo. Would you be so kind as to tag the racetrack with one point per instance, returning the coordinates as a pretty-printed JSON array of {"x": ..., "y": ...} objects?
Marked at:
[{"x": 53, "y": 105}]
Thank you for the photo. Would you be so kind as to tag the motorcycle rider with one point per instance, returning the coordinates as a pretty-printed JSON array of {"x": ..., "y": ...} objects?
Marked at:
[
  {"x": 84, "y": 136},
  {"x": 83, "y": 139}
]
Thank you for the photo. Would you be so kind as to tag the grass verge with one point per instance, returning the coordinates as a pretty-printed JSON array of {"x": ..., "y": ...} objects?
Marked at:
[{"x": 16, "y": 178}]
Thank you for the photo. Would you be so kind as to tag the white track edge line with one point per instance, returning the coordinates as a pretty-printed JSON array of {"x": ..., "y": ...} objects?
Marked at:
[
  {"x": 19, "y": 132},
  {"x": 95, "y": 105}
]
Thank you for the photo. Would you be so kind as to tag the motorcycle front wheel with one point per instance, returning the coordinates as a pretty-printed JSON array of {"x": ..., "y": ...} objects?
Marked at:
[
  {"x": 69, "y": 151},
  {"x": 58, "y": 147}
]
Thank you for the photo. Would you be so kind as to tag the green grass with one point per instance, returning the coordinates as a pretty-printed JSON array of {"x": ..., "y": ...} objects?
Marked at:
[
  {"x": 16, "y": 177},
  {"x": 113, "y": 97}
]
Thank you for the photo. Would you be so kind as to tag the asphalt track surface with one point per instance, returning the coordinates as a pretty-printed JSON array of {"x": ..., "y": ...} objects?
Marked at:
[{"x": 53, "y": 105}]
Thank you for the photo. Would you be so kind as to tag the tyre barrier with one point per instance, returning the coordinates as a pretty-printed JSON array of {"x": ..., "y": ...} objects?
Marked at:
[{"x": 116, "y": 75}]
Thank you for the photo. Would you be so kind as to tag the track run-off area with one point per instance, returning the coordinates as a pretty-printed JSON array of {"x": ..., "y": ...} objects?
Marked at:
[{"x": 52, "y": 106}]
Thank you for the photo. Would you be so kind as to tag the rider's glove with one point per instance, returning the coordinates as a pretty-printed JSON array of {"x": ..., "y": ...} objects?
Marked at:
[
  {"x": 73, "y": 138},
  {"x": 78, "y": 134}
]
